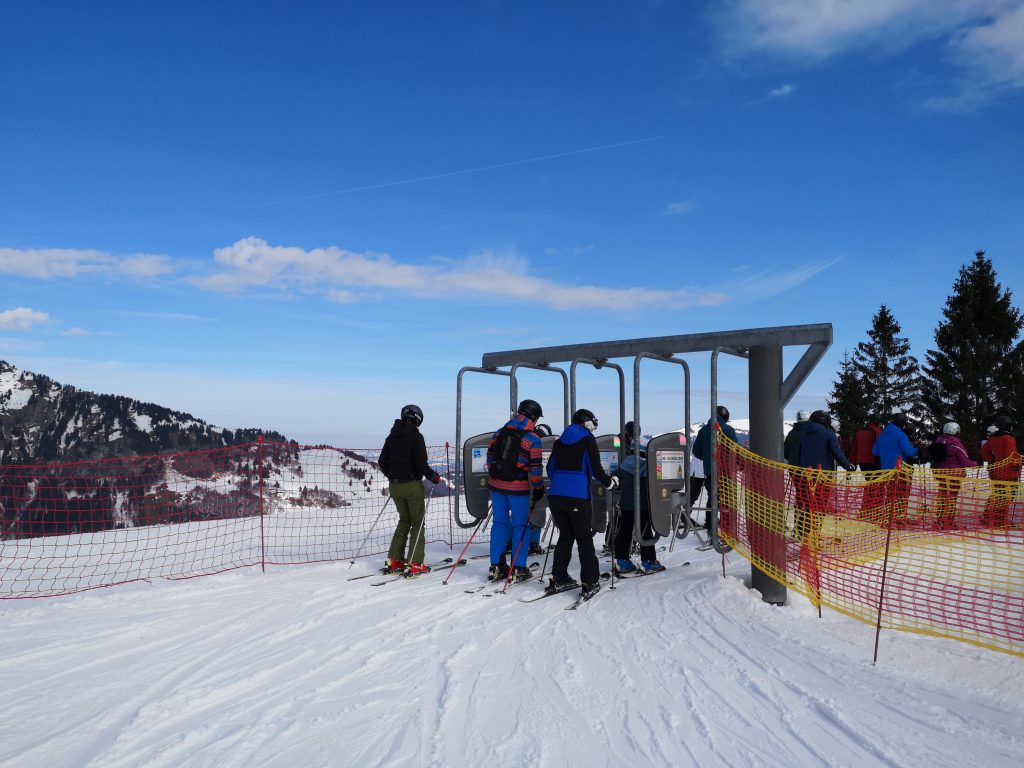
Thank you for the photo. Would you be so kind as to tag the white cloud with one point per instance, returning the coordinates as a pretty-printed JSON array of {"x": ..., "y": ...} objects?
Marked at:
[
  {"x": 345, "y": 276},
  {"x": 21, "y": 319},
  {"x": 49, "y": 263},
  {"x": 984, "y": 37},
  {"x": 679, "y": 207},
  {"x": 775, "y": 93},
  {"x": 75, "y": 332},
  {"x": 769, "y": 282}
]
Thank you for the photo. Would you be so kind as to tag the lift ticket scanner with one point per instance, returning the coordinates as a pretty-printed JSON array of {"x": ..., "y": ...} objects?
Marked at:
[
  {"x": 474, "y": 473},
  {"x": 667, "y": 457}
]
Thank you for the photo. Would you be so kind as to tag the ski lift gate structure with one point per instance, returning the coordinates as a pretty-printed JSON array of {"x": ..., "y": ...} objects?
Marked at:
[{"x": 769, "y": 393}]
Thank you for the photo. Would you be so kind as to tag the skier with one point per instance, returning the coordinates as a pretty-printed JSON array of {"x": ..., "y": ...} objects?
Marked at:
[
  {"x": 892, "y": 446},
  {"x": 627, "y": 475},
  {"x": 863, "y": 441},
  {"x": 403, "y": 460},
  {"x": 949, "y": 473},
  {"x": 791, "y": 446},
  {"x": 819, "y": 449},
  {"x": 1001, "y": 448},
  {"x": 574, "y": 460},
  {"x": 515, "y": 475}
]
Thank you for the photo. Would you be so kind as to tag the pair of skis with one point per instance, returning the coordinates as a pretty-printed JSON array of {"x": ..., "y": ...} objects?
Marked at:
[{"x": 395, "y": 576}]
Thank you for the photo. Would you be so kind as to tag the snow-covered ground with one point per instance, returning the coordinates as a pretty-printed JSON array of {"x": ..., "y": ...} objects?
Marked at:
[{"x": 300, "y": 667}]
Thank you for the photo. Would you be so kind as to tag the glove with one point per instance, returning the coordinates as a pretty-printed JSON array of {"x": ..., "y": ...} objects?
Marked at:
[
  {"x": 538, "y": 494},
  {"x": 614, "y": 484},
  {"x": 437, "y": 478}
]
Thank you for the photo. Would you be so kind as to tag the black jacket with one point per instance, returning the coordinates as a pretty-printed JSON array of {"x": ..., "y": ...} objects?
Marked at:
[{"x": 404, "y": 455}]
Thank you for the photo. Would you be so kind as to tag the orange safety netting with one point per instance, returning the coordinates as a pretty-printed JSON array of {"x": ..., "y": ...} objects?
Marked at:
[
  {"x": 940, "y": 552},
  {"x": 69, "y": 527}
]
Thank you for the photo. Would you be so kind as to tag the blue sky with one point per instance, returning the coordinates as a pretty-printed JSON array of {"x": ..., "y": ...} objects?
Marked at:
[{"x": 304, "y": 215}]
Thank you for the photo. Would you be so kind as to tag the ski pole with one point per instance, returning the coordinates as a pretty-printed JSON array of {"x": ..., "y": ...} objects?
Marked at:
[
  {"x": 616, "y": 514},
  {"x": 370, "y": 532},
  {"x": 481, "y": 524},
  {"x": 522, "y": 536},
  {"x": 550, "y": 528}
]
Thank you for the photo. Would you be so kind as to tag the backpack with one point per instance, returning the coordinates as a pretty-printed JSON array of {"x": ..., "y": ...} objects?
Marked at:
[
  {"x": 936, "y": 453},
  {"x": 505, "y": 455}
]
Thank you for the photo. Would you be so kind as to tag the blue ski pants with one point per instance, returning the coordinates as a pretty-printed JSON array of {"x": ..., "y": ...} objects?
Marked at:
[{"x": 509, "y": 518}]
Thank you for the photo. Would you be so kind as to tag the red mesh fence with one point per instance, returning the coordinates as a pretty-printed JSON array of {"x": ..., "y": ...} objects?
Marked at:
[
  {"x": 939, "y": 552},
  {"x": 69, "y": 527}
]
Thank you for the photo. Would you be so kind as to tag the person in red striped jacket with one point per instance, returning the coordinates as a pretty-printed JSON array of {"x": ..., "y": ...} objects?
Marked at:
[{"x": 515, "y": 477}]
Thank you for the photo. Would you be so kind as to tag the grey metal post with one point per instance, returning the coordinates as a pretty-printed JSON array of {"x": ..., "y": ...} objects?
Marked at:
[
  {"x": 637, "y": 529},
  {"x": 711, "y": 472},
  {"x": 765, "y": 387},
  {"x": 458, "y": 437},
  {"x": 513, "y": 393},
  {"x": 599, "y": 364}
]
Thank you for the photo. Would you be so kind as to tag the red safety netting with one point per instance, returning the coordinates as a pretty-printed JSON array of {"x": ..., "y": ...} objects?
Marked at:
[
  {"x": 69, "y": 527},
  {"x": 939, "y": 552}
]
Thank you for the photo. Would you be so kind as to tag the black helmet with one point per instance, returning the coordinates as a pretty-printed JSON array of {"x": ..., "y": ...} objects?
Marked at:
[
  {"x": 585, "y": 418},
  {"x": 723, "y": 412},
  {"x": 628, "y": 431},
  {"x": 530, "y": 409},
  {"x": 412, "y": 414},
  {"x": 822, "y": 417},
  {"x": 542, "y": 430},
  {"x": 899, "y": 419},
  {"x": 1004, "y": 423}
]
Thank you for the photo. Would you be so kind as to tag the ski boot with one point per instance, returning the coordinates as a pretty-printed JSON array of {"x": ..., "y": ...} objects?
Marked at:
[
  {"x": 498, "y": 572},
  {"x": 415, "y": 569},
  {"x": 624, "y": 565},
  {"x": 536, "y": 549},
  {"x": 652, "y": 566},
  {"x": 521, "y": 573},
  {"x": 393, "y": 565},
  {"x": 554, "y": 587},
  {"x": 589, "y": 590}
]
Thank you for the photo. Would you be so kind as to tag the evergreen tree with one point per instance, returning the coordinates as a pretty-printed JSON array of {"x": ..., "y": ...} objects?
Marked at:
[
  {"x": 970, "y": 374},
  {"x": 889, "y": 374},
  {"x": 848, "y": 401}
]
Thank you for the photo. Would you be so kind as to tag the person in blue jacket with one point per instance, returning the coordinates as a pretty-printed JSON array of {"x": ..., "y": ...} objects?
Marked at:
[
  {"x": 819, "y": 449},
  {"x": 893, "y": 444},
  {"x": 574, "y": 460}
]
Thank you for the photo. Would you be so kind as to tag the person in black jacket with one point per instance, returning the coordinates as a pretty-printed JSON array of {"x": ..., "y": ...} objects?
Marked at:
[
  {"x": 819, "y": 449},
  {"x": 403, "y": 459}
]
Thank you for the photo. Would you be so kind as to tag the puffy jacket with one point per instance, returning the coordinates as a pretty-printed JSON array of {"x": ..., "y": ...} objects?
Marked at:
[
  {"x": 863, "y": 442},
  {"x": 627, "y": 481},
  {"x": 404, "y": 455},
  {"x": 819, "y": 447},
  {"x": 1000, "y": 446},
  {"x": 702, "y": 443},
  {"x": 892, "y": 445},
  {"x": 530, "y": 462},
  {"x": 791, "y": 449},
  {"x": 956, "y": 454},
  {"x": 574, "y": 459}
]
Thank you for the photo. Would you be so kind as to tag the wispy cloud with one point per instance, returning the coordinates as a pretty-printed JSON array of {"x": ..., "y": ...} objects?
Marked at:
[
  {"x": 75, "y": 332},
  {"x": 771, "y": 282},
  {"x": 53, "y": 263},
  {"x": 346, "y": 276},
  {"x": 984, "y": 38},
  {"x": 21, "y": 319},
  {"x": 679, "y": 207},
  {"x": 167, "y": 316},
  {"x": 775, "y": 93}
]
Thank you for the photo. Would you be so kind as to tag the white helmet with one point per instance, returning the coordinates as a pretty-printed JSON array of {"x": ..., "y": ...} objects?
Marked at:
[
  {"x": 803, "y": 415},
  {"x": 835, "y": 424},
  {"x": 951, "y": 428},
  {"x": 991, "y": 429}
]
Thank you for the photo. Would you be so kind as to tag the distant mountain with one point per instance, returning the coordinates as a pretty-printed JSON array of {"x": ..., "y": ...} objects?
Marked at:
[{"x": 41, "y": 419}]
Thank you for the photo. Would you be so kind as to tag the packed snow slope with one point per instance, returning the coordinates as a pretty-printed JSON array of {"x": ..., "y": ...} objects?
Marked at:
[{"x": 300, "y": 667}]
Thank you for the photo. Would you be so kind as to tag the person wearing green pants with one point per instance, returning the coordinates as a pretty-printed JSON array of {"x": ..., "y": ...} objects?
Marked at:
[{"x": 403, "y": 460}]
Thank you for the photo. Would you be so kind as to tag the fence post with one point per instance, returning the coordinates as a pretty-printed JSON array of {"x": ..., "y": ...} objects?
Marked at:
[{"x": 259, "y": 468}]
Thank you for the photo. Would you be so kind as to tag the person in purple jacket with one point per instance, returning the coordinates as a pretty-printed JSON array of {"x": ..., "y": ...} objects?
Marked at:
[{"x": 950, "y": 470}]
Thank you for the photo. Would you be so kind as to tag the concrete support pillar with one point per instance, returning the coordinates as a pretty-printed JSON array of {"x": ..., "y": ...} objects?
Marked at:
[{"x": 766, "y": 439}]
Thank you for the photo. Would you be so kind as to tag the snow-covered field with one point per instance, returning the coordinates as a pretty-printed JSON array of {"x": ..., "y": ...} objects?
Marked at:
[{"x": 300, "y": 667}]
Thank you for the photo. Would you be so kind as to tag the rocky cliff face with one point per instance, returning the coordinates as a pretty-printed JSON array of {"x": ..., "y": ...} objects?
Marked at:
[{"x": 41, "y": 420}]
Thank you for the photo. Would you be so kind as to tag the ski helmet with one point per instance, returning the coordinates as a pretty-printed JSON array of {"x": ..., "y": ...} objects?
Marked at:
[
  {"x": 412, "y": 414},
  {"x": 951, "y": 428},
  {"x": 835, "y": 424},
  {"x": 821, "y": 417},
  {"x": 803, "y": 415},
  {"x": 585, "y": 418},
  {"x": 723, "y": 412},
  {"x": 628, "y": 431},
  {"x": 1004, "y": 423},
  {"x": 899, "y": 419},
  {"x": 530, "y": 409},
  {"x": 991, "y": 429},
  {"x": 542, "y": 430}
]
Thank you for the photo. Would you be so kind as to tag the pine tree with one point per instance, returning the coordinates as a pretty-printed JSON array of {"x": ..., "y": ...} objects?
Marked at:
[
  {"x": 889, "y": 374},
  {"x": 970, "y": 374},
  {"x": 848, "y": 401}
]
